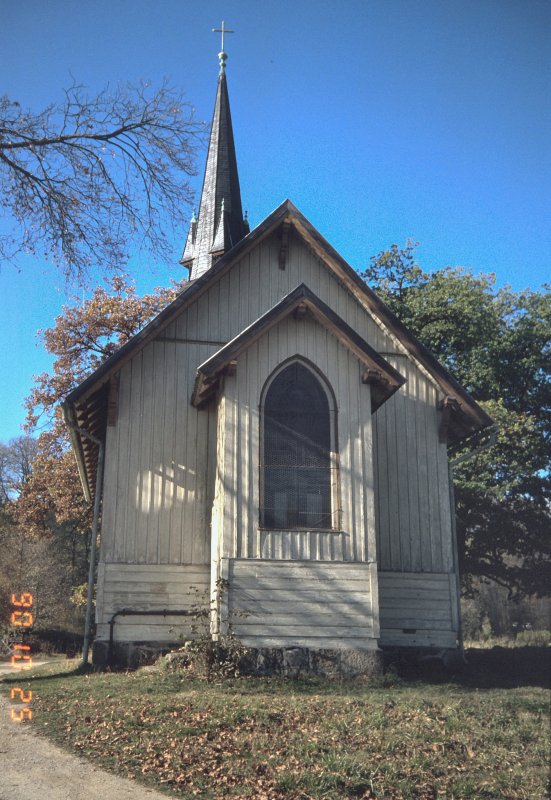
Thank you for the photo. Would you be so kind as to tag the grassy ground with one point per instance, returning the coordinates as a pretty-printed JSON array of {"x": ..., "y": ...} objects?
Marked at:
[{"x": 481, "y": 735}]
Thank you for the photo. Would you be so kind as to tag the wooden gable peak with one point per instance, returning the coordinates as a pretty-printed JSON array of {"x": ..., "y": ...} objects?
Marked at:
[{"x": 301, "y": 302}]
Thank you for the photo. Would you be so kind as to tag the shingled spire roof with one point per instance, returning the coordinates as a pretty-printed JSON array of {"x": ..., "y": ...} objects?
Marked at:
[{"x": 219, "y": 224}]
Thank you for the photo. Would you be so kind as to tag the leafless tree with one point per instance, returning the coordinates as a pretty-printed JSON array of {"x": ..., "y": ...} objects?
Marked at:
[
  {"x": 16, "y": 459},
  {"x": 82, "y": 179}
]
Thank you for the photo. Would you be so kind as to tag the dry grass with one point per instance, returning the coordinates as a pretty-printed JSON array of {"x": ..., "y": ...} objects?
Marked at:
[{"x": 267, "y": 738}]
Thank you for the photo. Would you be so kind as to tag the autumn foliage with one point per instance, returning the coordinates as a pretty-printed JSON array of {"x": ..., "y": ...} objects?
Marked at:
[{"x": 82, "y": 338}]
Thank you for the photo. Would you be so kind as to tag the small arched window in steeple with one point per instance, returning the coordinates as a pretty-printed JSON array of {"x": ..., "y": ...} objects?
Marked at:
[{"x": 297, "y": 463}]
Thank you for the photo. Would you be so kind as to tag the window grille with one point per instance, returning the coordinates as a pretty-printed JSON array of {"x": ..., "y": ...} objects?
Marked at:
[{"x": 297, "y": 462}]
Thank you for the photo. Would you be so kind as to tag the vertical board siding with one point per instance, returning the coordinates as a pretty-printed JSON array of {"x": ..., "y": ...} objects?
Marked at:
[
  {"x": 242, "y": 432},
  {"x": 109, "y": 504},
  {"x": 155, "y": 494},
  {"x": 411, "y": 496},
  {"x": 121, "y": 485},
  {"x": 293, "y": 603}
]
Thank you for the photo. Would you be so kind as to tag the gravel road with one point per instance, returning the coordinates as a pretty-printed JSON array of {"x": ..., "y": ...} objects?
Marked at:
[{"x": 31, "y": 768}]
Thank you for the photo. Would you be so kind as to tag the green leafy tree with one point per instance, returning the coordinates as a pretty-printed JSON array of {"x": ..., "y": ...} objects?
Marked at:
[{"x": 497, "y": 343}]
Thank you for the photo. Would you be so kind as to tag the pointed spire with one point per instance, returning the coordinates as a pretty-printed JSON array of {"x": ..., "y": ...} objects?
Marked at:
[{"x": 219, "y": 224}]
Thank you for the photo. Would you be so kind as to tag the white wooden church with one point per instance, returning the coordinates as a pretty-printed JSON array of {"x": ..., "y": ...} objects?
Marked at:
[{"x": 275, "y": 449}]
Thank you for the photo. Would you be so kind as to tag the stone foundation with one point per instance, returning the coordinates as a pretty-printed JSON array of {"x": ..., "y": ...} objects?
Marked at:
[
  {"x": 128, "y": 654},
  {"x": 291, "y": 662}
]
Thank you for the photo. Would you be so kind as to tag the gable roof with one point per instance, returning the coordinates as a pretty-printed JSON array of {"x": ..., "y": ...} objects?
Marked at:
[
  {"x": 384, "y": 379},
  {"x": 88, "y": 401}
]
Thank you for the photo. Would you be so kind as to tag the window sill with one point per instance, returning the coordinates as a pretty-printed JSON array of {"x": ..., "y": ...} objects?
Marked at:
[{"x": 300, "y": 530}]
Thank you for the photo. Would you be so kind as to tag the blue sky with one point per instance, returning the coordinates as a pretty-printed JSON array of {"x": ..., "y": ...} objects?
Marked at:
[{"x": 381, "y": 120}]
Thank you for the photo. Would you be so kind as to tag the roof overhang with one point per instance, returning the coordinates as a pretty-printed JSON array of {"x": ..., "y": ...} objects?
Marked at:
[
  {"x": 87, "y": 424},
  {"x": 301, "y": 302}
]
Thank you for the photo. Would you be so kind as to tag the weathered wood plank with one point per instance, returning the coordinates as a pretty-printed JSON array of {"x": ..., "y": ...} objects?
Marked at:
[
  {"x": 272, "y": 602},
  {"x": 133, "y": 499},
  {"x": 121, "y": 483},
  {"x": 329, "y": 571},
  {"x": 413, "y": 601},
  {"x": 109, "y": 495},
  {"x": 326, "y": 643},
  {"x": 200, "y": 527},
  {"x": 121, "y": 571},
  {"x": 412, "y": 437},
  {"x": 303, "y": 617},
  {"x": 158, "y": 465},
  {"x": 369, "y": 544},
  {"x": 168, "y": 455},
  {"x": 296, "y": 597},
  {"x": 405, "y": 476},
  {"x": 292, "y": 599},
  {"x": 275, "y": 628},
  {"x": 419, "y": 602},
  {"x": 150, "y": 587},
  {"x": 188, "y": 473},
  {"x": 145, "y": 465},
  {"x": 434, "y": 499},
  {"x": 160, "y": 632},
  {"x": 414, "y": 618},
  {"x": 427, "y": 638},
  {"x": 394, "y": 457},
  {"x": 411, "y": 577},
  {"x": 445, "y": 509}
]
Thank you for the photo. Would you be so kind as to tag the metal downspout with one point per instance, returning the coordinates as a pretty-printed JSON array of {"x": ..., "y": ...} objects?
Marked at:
[{"x": 94, "y": 535}]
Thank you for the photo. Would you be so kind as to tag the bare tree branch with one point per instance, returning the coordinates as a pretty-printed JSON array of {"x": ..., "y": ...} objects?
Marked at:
[{"x": 84, "y": 180}]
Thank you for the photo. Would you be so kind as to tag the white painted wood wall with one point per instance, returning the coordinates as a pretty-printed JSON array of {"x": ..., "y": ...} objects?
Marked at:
[
  {"x": 418, "y": 609},
  {"x": 161, "y": 455},
  {"x": 148, "y": 587},
  {"x": 353, "y": 537},
  {"x": 303, "y": 604}
]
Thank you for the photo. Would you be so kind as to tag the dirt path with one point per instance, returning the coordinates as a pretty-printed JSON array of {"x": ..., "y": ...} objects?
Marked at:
[{"x": 31, "y": 768}]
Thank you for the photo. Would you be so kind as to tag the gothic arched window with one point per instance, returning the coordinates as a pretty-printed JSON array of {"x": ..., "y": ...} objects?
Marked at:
[{"x": 297, "y": 463}]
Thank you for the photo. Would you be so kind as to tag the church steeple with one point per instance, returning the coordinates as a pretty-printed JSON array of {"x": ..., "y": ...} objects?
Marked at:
[{"x": 219, "y": 224}]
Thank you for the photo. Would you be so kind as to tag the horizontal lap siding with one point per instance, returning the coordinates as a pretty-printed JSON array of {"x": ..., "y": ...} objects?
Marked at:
[
  {"x": 152, "y": 588},
  {"x": 417, "y": 610},
  {"x": 323, "y": 605}
]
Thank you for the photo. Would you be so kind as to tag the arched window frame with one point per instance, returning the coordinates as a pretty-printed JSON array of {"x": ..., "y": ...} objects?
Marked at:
[{"x": 333, "y": 467}]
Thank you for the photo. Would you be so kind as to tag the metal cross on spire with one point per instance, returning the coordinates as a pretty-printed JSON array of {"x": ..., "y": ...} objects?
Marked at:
[{"x": 222, "y": 56}]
